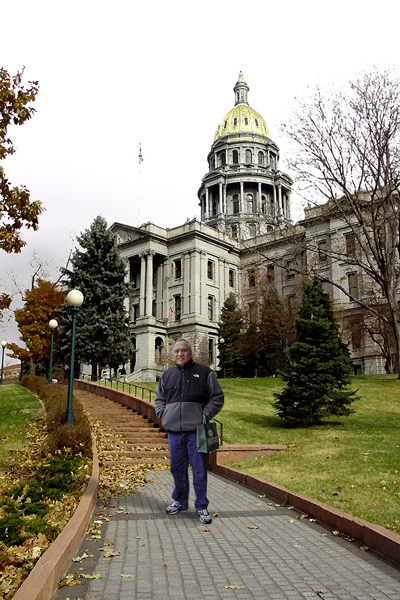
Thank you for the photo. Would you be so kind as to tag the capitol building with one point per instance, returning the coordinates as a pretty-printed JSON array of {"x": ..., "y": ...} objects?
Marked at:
[{"x": 182, "y": 276}]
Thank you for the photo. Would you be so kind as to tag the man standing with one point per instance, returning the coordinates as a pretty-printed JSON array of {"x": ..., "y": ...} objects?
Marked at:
[{"x": 187, "y": 395}]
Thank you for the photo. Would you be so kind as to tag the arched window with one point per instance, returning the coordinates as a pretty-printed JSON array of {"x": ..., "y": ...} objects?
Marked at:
[
  {"x": 249, "y": 202},
  {"x": 263, "y": 204},
  {"x": 235, "y": 122},
  {"x": 249, "y": 157},
  {"x": 159, "y": 350},
  {"x": 246, "y": 121},
  {"x": 235, "y": 202},
  {"x": 222, "y": 159},
  {"x": 235, "y": 157},
  {"x": 261, "y": 158}
]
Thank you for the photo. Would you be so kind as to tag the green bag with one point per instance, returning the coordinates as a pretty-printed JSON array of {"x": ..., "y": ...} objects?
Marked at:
[{"x": 207, "y": 437}]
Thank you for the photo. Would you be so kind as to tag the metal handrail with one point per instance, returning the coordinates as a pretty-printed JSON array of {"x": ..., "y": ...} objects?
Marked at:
[{"x": 143, "y": 391}]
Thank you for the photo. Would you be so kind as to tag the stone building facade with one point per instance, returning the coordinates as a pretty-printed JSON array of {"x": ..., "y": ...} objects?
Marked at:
[{"x": 182, "y": 276}]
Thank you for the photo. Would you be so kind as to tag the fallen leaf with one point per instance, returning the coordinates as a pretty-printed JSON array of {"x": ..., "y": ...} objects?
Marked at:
[
  {"x": 336, "y": 532},
  {"x": 165, "y": 566},
  {"x": 205, "y": 529},
  {"x": 215, "y": 514},
  {"x": 364, "y": 548},
  {"x": 92, "y": 576},
  {"x": 234, "y": 587},
  {"x": 252, "y": 527},
  {"x": 110, "y": 554},
  {"x": 126, "y": 575}
]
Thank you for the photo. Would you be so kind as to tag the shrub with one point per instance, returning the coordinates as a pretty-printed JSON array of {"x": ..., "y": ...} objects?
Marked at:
[{"x": 77, "y": 437}]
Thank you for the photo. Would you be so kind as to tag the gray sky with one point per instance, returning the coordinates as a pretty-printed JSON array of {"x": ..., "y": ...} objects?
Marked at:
[{"x": 116, "y": 74}]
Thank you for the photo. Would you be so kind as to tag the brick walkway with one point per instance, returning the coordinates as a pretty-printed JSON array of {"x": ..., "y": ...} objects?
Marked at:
[{"x": 254, "y": 549}]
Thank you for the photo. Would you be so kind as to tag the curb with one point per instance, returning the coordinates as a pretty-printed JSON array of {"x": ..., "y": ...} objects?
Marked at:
[
  {"x": 43, "y": 580},
  {"x": 372, "y": 536}
]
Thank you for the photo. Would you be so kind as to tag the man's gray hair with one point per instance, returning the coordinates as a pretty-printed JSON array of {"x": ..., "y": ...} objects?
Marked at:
[{"x": 188, "y": 344}]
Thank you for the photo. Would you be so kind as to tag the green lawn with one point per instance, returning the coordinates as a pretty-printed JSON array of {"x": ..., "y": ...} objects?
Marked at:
[
  {"x": 352, "y": 463},
  {"x": 17, "y": 407}
]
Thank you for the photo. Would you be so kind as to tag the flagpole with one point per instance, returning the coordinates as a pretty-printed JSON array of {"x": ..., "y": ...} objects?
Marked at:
[{"x": 140, "y": 157}]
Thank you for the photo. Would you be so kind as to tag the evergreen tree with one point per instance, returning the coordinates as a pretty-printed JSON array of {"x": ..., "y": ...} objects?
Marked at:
[
  {"x": 102, "y": 327},
  {"x": 320, "y": 364},
  {"x": 230, "y": 331}
]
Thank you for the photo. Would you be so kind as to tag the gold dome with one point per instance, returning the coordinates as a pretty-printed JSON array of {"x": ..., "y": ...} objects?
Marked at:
[{"x": 242, "y": 119}]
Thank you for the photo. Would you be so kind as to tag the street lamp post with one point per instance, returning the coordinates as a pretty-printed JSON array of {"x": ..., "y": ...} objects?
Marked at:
[
  {"x": 53, "y": 326},
  {"x": 74, "y": 300},
  {"x": 3, "y": 344}
]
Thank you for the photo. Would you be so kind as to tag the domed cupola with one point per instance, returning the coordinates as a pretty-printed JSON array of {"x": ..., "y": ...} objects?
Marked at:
[{"x": 244, "y": 194}]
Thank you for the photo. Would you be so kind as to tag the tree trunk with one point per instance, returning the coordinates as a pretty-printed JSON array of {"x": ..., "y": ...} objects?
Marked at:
[{"x": 93, "y": 376}]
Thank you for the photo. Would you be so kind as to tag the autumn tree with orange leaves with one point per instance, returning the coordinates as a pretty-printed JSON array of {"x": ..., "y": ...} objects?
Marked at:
[
  {"x": 41, "y": 304},
  {"x": 16, "y": 209}
]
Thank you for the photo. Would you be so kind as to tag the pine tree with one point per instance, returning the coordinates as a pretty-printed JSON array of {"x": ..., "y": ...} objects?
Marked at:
[
  {"x": 230, "y": 331},
  {"x": 102, "y": 327},
  {"x": 320, "y": 364}
]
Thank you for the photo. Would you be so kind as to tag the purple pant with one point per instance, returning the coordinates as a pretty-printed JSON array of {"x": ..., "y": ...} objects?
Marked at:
[{"x": 182, "y": 447}]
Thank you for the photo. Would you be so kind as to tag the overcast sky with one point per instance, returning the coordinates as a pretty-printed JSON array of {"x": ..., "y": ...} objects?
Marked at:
[{"x": 116, "y": 74}]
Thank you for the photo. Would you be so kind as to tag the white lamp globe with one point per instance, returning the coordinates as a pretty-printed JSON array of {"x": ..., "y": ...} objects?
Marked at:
[
  {"x": 53, "y": 324},
  {"x": 4, "y": 343},
  {"x": 75, "y": 298}
]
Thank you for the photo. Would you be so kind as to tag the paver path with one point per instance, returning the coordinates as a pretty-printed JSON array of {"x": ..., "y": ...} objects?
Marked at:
[{"x": 254, "y": 549}]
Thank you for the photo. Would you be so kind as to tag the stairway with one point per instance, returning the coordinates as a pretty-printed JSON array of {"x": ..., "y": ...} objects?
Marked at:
[{"x": 140, "y": 442}]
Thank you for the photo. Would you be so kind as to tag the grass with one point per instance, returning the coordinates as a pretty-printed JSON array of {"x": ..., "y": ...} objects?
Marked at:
[
  {"x": 351, "y": 463},
  {"x": 18, "y": 406}
]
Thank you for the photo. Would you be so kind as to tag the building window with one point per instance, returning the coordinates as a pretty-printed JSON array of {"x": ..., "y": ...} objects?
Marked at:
[
  {"x": 249, "y": 201},
  {"x": 231, "y": 278},
  {"x": 235, "y": 157},
  {"x": 252, "y": 229},
  {"x": 289, "y": 269},
  {"x": 211, "y": 351},
  {"x": 273, "y": 161},
  {"x": 154, "y": 309},
  {"x": 246, "y": 121},
  {"x": 234, "y": 232},
  {"x": 356, "y": 335},
  {"x": 178, "y": 307},
  {"x": 261, "y": 158},
  {"x": 270, "y": 274},
  {"x": 210, "y": 269},
  {"x": 322, "y": 248},
  {"x": 178, "y": 269},
  {"x": 251, "y": 276},
  {"x": 135, "y": 312},
  {"x": 225, "y": 124},
  {"x": 235, "y": 121},
  {"x": 222, "y": 159},
  {"x": 352, "y": 279},
  {"x": 263, "y": 205},
  {"x": 253, "y": 312},
  {"x": 136, "y": 281},
  {"x": 211, "y": 308},
  {"x": 256, "y": 122},
  {"x": 235, "y": 202},
  {"x": 350, "y": 240},
  {"x": 249, "y": 157}
]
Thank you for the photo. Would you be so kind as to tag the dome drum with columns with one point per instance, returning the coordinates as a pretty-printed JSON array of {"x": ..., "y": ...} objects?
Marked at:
[{"x": 244, "y": 194}]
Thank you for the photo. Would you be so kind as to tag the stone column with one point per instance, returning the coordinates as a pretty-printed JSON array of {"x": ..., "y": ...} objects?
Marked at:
[
  {"x": 195, "y": 281},
  {"x": 259, "y": 198},
  {"x": 186, "y": 300},
  {"x": 142, "y": 284},
  {"x": 149, "y": 284},
  {"x": 241, "y": 206},
  {"x": 206, "y": 212}
]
